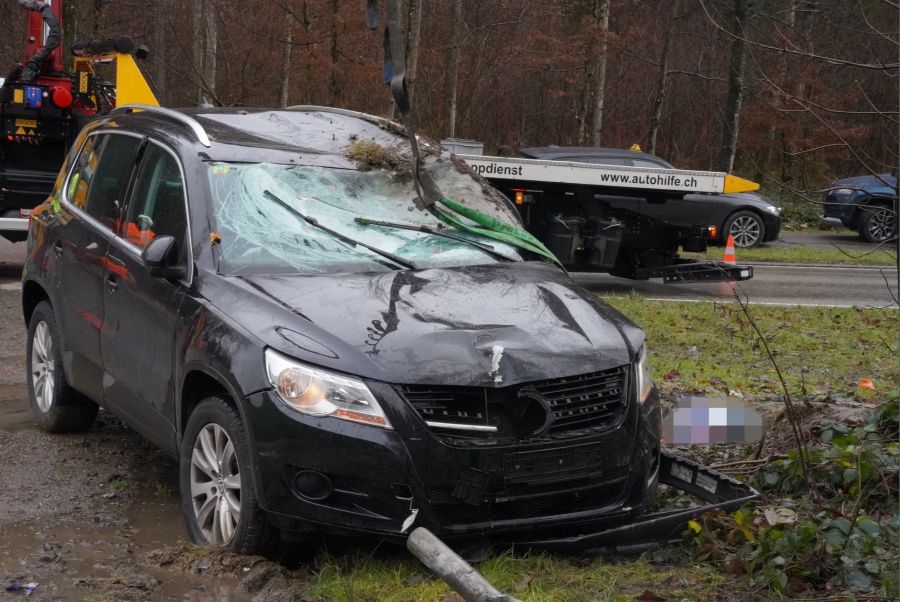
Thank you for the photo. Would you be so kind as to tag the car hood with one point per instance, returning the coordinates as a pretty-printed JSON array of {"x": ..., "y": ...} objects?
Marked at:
[
  {"x": 751, "y": 198},
  {"x": 491, "y": 325},
  {"x": 869, "y": 183},
  {"x": 737, "y": 198}
]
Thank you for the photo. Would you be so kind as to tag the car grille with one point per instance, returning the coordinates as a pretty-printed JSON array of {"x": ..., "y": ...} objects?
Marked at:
[
  {"x": 596, "y": 400},
  {"x": 520, "y": 503}
]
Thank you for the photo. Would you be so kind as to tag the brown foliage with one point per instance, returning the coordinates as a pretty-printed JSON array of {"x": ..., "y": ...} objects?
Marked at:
[{"x": 522, "y": 71}]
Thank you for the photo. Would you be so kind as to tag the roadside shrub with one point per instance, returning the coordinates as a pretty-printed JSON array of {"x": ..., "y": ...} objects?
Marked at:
[{"x": 839, "y": 535}]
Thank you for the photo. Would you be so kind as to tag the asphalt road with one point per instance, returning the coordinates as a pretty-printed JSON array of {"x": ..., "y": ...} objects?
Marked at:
[
  {"x": 771, "y": 284},
  {"x": 848, "y": 240}
]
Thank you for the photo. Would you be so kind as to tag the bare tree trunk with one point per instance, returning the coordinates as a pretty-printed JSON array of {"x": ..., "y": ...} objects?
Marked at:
[
  {"x": 308, "y": 78},
  {"x": 70, "y": 30},
  {"x": 602, "y": 16},
  {"x": 197, "y": 32},
  {"x": 453, "y": 68},
  {"x": 661, "y": 79},
  {"x": 736, "y": 70},
  {"x": 96, "y": 15},
  {"x": 212, "y": 47},
  {"x": 286, "y": 65},
  {"x": 415, "y": 37},
  {"x": 158, "y": 52},
  {"x": 586, "y": 96},
  {"x": 335, "y": 80}
]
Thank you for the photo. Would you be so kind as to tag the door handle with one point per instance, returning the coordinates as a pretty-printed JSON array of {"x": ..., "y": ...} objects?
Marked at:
[
  {"x": 58, "y": 248},
  {"x": 112, "y": 282}
]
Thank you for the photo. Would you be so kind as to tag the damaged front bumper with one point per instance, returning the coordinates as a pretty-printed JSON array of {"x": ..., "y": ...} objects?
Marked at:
[
  {"x": 333, "y": 477},
  {"x": 719, "y": 491}
]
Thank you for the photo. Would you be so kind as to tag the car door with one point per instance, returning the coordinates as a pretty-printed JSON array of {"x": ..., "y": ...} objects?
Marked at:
[
  {"x": 92, "y": 198},
  {"x": 141, "y": 312},
  {"x": 686, "y": 210}
]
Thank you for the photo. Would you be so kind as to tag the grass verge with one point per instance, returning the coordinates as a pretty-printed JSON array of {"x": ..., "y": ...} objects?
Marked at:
[
  {"x": 800, "y": 254},
  {"x": 531, "y": 578},
  {"x": 708, "y": 348}
]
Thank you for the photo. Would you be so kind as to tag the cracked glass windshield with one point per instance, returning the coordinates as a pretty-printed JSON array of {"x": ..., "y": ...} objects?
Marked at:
[{"x": 275, "y": 218}]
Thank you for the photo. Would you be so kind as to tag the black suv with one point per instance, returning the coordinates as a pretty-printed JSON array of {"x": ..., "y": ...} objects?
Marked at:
[{"x": 262, "y": 294}]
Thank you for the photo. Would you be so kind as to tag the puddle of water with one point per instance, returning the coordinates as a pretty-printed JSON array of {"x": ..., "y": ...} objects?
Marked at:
[
  {"x": 73, "y": 560},
  {"x": 15, "y": 411}
]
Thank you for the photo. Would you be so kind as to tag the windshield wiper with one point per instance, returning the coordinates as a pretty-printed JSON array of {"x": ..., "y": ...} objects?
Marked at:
[
  {"x": 429, "y": 230},
  {"x": 343, "y": 238}
]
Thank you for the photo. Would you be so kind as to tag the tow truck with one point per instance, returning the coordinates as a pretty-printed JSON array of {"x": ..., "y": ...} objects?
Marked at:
[
  {"x": 590, "y": 216},
  {"x": 43, "y": 107}
]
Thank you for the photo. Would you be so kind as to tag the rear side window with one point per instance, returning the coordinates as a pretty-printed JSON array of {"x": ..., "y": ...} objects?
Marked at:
[
  {"x": 646, "y": 163},
  {"x": 157, "y": 206},
  {"x": 598, "y": 160},
  {"x": 101, "y": 175}
]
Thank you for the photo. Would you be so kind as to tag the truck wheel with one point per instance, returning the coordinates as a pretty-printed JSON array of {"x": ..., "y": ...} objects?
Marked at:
[
  {"x": 218, "y": 498},
  {"x": 55, "y": 406},
  {"x": 877, "y": 223},
  {"x": 746, "y": 227}
]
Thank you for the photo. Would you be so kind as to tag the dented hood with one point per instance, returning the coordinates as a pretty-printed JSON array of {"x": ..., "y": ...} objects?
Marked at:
[{"x": 490, "y": 325}]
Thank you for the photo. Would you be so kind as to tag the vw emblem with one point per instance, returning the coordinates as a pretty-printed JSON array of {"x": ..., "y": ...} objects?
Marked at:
[{"x": 535, "y": 414}]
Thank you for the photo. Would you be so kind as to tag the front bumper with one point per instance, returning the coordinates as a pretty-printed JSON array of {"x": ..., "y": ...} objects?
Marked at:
[
  {"x": 841, "y": 210},
  {"x": 773, "y": 227},
  {"x": 367, "y": 481},
  {"x": 642, "y": 531}
]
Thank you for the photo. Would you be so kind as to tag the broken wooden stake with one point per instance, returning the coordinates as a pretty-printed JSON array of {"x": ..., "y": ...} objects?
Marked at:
[{"x": 446, "y": 564}]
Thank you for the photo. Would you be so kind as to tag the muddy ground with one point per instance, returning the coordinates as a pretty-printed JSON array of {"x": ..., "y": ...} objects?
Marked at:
[{"x": 93, "y": 516}]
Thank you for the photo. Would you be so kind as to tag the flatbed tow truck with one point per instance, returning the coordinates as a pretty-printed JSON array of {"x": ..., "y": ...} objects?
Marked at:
[{"x": 590, "y": 215}]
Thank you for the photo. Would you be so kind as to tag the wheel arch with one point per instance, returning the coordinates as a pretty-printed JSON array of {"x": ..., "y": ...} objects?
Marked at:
[
  {"x": 32, "y": 294},
  {"x": 880, "y": 201},
  {"x": 201, "y": 381}
]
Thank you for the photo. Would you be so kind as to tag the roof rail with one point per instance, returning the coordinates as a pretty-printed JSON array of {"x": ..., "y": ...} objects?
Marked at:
[{"x": 181, "y": 118}]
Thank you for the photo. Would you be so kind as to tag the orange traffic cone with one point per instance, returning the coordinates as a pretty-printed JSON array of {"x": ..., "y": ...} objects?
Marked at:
[{"x": 729, "y": 257}]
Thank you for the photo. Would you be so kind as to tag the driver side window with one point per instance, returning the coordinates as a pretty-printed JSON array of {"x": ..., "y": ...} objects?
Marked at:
[{"x": 157, "y": 206}]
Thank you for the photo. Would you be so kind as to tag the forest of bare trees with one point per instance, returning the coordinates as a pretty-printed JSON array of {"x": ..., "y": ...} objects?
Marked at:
[{"x": 792, "y": 92}]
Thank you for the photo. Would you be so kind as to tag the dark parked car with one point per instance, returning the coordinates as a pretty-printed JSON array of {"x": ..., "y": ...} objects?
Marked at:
[
  {"x": 751, "y": 218},
  {"x": 867, "y": 204},
  {"x": 218, "y": 280}
]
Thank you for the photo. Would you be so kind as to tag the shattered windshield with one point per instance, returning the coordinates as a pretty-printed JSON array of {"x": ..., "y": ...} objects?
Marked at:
[{"x": 274, "y": 218}]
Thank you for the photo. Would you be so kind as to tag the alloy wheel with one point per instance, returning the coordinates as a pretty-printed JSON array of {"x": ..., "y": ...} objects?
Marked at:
[
  {"x": 43, "y": 366},
  {"x": 215, "y": 484},
  {"x": 746, "y": 231},
  {"x": 881, "y": 225}
]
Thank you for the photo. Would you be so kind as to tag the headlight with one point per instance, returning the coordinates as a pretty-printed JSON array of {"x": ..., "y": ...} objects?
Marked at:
[
  {"x": 319, "y": 393},
  {"x": 773, "y": 209},
  {"x": 643, "y": 380},
  {"x": 842, "y": 192}
]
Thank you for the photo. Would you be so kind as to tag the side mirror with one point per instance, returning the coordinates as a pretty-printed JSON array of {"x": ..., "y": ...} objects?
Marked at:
[{"x": 161, "y": 258}]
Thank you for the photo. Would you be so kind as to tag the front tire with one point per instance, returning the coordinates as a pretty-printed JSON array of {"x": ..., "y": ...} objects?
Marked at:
[
  {"x": 217, "y": 494},
  {"x": 877, "y": 223},
  {"x": 55, "y": 406},
  {"x": 746, "y": 227}
]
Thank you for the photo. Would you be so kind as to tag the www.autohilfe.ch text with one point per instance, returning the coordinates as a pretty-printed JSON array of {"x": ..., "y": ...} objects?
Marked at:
[{"x": 493, "y": 169}]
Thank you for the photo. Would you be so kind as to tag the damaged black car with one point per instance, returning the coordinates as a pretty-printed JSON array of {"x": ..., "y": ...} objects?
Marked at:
[{"x": 264, "y": 295}]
